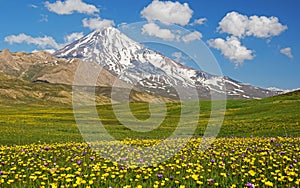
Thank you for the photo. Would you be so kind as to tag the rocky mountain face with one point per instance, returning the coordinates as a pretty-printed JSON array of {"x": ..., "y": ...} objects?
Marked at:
[
  {"x": 41, "y": 77},
  {"x": 152, "y": 72},
  {"x": 43, "y": 66}
]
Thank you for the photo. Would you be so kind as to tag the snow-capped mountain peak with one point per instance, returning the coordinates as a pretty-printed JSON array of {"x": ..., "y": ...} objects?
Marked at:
[{"x": 149, "y": 70}]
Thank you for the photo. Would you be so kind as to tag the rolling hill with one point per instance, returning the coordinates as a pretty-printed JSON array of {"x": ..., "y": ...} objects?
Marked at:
[{"x": 41, "y": 78}]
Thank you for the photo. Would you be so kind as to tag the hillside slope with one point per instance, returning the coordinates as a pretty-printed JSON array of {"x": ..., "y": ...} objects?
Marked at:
[{"x": 41, "y": 78}]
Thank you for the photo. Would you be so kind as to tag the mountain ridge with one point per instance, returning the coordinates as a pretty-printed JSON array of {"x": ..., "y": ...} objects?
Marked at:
[
  {"x": 40, "y": 77},
  {"x": 130, "y": 64},
  {"x": 151, "y": 71}
]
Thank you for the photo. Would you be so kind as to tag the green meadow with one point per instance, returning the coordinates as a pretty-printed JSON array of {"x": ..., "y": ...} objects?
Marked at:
[
  {"x": 30, "y": 123},
  {"x": 258, "y": 145}
]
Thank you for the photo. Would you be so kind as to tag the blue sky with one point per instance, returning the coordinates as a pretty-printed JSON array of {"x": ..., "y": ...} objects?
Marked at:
[{"x": 254, "y": 42}]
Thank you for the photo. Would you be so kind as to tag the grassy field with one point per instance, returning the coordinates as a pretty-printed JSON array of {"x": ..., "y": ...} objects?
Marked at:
[
  {"x": 258, "y": 146},
  {"x": 276, "y": 116}
]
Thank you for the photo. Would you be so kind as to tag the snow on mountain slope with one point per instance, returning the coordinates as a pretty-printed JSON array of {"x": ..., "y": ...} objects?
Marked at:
[{"x": 151, "y": 71}]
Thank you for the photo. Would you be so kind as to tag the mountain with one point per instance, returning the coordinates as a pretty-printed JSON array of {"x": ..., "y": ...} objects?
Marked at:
[
  {"x": 283, "y": 91},
  {"x": 295, "y": 93},
  {"x": 43, "y": 66},
  {"x": 41, "y": 78},
  {"x": 151, "y": 71}
]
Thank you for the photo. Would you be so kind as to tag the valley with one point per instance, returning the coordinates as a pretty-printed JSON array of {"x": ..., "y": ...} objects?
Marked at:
[
  {"x": 23, "y": 123},
  {"x": 42, "y": 143}
]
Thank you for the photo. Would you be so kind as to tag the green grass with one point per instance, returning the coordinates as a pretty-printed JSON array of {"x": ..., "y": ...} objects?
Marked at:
[
  {"x": 22, "y": 125},
  {"x": 25, "y": 123}
]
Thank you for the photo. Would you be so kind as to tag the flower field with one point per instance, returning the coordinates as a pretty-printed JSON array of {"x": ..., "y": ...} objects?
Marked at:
[
  {"x": 228, "y": 162},
  {"x": 41, "y": 146}
]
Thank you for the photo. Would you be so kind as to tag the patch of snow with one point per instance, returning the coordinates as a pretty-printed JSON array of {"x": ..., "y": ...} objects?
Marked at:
[
  {"x": 245, "y": 96},
  {"x": 233, "y": 83},
  {"x": 239, "y": 90}
]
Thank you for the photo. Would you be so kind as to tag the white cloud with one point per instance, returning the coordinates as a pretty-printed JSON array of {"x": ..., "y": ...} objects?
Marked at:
[
  {"x": 287, "y": 52},
  {"x": 232, "y": 49},
  {"x": 71, "y": 6},
  {"x": 97, "y": 23},
  {"x": 234, "y": 23},
  {"x": 259, "y": 26},
  {"x": 192, "y": 36},
  {"x": 123, "y": 24},
  {"x": 51, "y": 51},
  {"x": 41, "y": 42},
  {"x": 33, "y": 6},
  {"x": 263, "y": 27},
  {"x": 167, "y": 12},
  {"x": 72, "y": 37},
  {"x": 179, "y": 57},
  {"x": 199, "y": 21},
  {"x": 154, "y": 30}
]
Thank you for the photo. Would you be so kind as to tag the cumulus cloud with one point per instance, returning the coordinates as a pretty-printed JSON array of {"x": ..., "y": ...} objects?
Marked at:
[
  {"x": 153, "y": 29},
  {"x": 232, "y": 49},
  {"x": 71, "y": 6},
  {"x": 72, "y": 37},
  {"x": 263, "y": 27},
  {"x": 287, "y": 51},
  {"x": 97, "y": 23},
  {"x": 41, "y": 42},
  {"x": 192, "y": 36},
  {"x": 234, "y": 23},
  {"x": 258, "y": 26},
  {"x": 168, "y": 12},
  {"x": 199, "y": 21}
]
